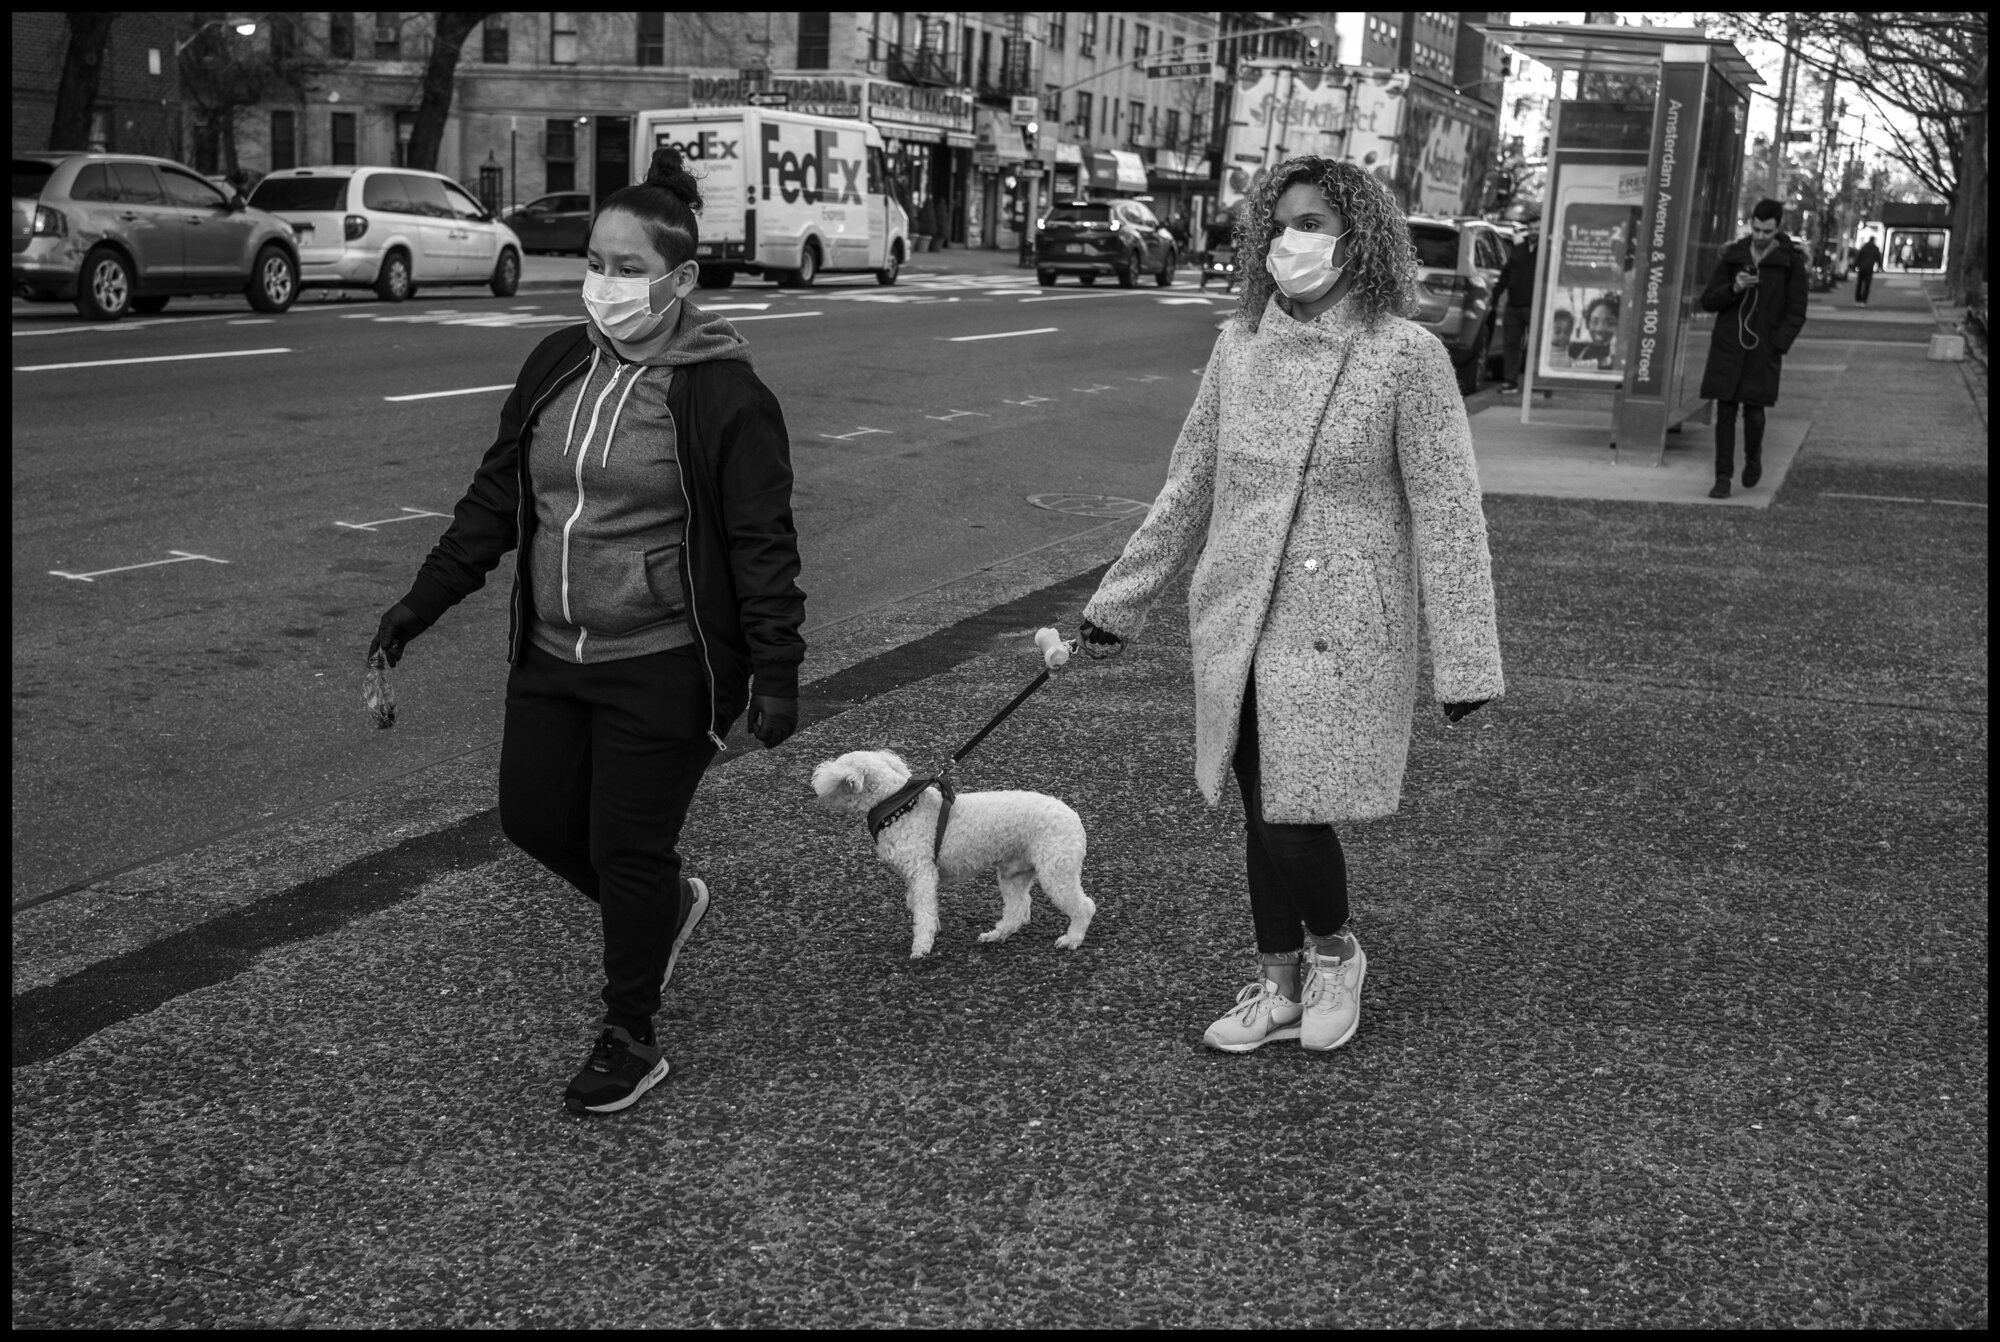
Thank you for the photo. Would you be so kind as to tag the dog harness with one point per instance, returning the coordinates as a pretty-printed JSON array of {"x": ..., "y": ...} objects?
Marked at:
[{"x": 904, "y": 799}]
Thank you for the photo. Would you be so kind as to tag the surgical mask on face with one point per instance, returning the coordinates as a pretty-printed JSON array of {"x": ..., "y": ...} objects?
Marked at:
[
  {"x": 623, "y": 307},
  {"x": 1302, "y": 263}
]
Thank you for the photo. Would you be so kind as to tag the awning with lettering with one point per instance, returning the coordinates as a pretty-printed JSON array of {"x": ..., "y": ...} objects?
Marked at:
[
  {"x": 959, "y": 139},
  {"x": 912, "y": 134},
  {"x": 1173, "y": 165},
  {"x": 1117, "y": 170}
]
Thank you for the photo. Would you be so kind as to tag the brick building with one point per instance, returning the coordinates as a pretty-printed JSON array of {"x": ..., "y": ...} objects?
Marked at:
[{"x": 138, "y": 108}]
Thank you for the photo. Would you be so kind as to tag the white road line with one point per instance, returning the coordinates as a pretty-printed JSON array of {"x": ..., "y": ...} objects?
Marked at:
[
  {"x": 180, "y": 557},
  {"x": 1899, "y": 498},
  {"x": 733, "y": 307},
  {"x": 775, "y": 316},
  {"x": 412, "y": 514},
  {"x": 157, "y": 358},
  {"x": 253, "y": 321},
  {"x": 1002, "y": 335},
  {"x": 461, "y": 391}
]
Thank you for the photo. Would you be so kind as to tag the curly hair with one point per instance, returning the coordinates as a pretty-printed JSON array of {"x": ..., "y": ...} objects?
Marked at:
[{"x": 1380, "y": 255}]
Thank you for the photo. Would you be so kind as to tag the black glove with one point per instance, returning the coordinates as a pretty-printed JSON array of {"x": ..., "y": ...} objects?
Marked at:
[
  {"x": 1098, "y": 643},
  {"x": 773, "y": 719},
  {"x": 399, "y": 625},
  {"x": 1453, "y": 712}
]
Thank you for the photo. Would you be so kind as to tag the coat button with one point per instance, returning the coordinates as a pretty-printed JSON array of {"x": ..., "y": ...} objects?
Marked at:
[
  {"x": 1311, "y": 564},
  {"x": 1319, "y": 645}
]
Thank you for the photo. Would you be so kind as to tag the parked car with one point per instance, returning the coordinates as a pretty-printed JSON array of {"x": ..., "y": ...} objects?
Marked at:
[
  {"x": 1458, "y": 279},
  {"x": 1219, "y": 263},
  {"x": 553, "y": 223},
  {"x": 1089, "y": 238},
  {"x": 119, "y": 233},
  {"x": 390, "y": 230}
]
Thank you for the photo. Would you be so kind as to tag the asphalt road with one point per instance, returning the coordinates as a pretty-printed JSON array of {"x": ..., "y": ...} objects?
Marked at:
[{"x": 270, "y": 463}]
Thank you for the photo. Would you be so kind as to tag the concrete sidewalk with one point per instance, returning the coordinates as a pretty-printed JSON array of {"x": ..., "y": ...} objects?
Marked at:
[{"x": 1676, "y": 1011}]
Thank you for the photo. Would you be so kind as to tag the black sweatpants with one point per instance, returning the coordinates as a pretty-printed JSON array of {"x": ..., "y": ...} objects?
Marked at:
[
  {"x": 1725, "y": 437},
  {"x": 598, "y": 766},
  {"x": 1297, "y": 873}
]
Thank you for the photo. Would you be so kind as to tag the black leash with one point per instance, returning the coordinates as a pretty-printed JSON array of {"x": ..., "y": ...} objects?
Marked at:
[{"x": 904, "y": 800}]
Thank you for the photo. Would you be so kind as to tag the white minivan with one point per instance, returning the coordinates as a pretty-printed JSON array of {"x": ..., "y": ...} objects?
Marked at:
[
  {"x": 390, "y": 230},
  {"x": 784, "y": 194}
]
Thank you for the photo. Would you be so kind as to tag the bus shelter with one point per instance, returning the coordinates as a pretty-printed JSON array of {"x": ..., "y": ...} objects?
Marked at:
[{"x": 1645, "y": 157}]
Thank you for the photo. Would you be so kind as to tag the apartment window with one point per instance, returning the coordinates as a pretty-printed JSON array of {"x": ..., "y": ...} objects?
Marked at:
[
  {"x": 340, "y": 39},
  {"x": 493, "y": 40},
  {"x": 1052, "y": 103},
  {"x": 1173, "y": 126},
  {"x": 559, "y": 154},
  {"x": 406, "y": 124},
  {"x": 284, "y": 38},
  {"x": 1086, "y": 35},
  {"x": 284, "y": 139},
  {"x": 562, "y": 48},
  {"x": 1107, "y": 116},
  {"x": 965, "y": 56},
  {"x": 1118, "y": 45},
  {"x": 344, "y": 138},
  {"x": 1084, "y": 99},
  {"x": 1140, "y": 32},
  {"x": 815, "y": 40},
  {"x": 388, "y": 37},
  {"x": 985, "y": 60},
  {"x": 1058, "y": 28},
  {"x": 1135, "y": 118},
  {"x": 652, "y": 37}
]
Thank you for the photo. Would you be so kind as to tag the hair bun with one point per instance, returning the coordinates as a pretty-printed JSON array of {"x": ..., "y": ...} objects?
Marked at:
[{"x": 669, "y": 172}]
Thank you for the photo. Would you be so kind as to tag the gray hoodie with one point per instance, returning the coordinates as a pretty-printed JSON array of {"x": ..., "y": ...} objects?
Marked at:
[{"x": 609, "y": 508}]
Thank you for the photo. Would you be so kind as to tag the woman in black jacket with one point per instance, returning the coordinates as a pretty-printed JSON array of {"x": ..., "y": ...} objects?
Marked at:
[
  {"x": 1758, "y": 292},
  {"x": 643, "y": 480}
]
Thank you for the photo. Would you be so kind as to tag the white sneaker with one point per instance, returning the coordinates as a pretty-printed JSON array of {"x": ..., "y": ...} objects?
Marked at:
[
  {"x": 1332, "y": 997},
  {"x": 690, "y": 919},
  {"x": 1261, "y": 1015}
]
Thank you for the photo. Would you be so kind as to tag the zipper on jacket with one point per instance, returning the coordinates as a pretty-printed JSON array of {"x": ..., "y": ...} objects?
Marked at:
[
  {"x": 687, "y": 555},
  {"x": 523, "y": 488},
  {"x": 583, "y": 455}
]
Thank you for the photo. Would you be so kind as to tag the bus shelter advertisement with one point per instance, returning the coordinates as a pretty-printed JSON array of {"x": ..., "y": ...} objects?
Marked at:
[{"x": 1590, "y": 263}]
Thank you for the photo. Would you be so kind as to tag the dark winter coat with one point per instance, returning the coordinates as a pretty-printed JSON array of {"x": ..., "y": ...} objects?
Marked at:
[
  {"x": 1869, "y": 259},
  {"x": 1755, "y": 328},
  {"x": 1517, "y": 276},
  {"x": 739, "y": 556}
]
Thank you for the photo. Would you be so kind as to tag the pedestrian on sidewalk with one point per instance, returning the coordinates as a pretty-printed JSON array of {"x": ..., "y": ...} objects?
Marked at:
[
  {"x": 642, "y": 477},
  {"x": 1758, "y": 291},
  {"x": 1324, "y": 473},
  {"x": 1517, "y": 282},
  {"x": 1866, "y": 262}
]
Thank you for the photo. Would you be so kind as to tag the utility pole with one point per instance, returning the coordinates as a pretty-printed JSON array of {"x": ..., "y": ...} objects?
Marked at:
[
  {"x": 1783, "y": 133},
  {"x": 1829, "y": 128}
]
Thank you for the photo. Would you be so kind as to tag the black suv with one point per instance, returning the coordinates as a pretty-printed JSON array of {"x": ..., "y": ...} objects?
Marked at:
[{"x": 1088, "y": 238}]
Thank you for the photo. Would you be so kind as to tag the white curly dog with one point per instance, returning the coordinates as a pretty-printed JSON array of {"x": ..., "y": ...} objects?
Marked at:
[{"x": 1024, "y": 837}]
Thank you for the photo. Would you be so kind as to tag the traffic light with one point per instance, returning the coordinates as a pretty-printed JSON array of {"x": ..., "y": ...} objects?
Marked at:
[{"x": 1028, "y": 134}]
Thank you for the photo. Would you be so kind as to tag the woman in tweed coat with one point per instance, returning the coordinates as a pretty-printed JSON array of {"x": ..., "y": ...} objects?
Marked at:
[{"x": 1323, "y": 479}]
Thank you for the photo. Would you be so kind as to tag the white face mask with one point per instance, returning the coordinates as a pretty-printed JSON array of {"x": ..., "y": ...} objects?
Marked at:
[
  {"x": 623, "y": 308},
  {"x": 1302, "y": 263}
]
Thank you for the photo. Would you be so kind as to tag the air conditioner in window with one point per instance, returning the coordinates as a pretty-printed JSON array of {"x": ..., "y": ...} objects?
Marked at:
[{"x": 1088, "y": 48}]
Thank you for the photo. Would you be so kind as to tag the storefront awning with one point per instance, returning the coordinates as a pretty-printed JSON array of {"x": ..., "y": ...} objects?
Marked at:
[
  {"x": 911, "y": 134},
  {"x": 959, "y": 139},
  {"x": 1117, "y": 170},
  {"x": 1170, "y": 165}
]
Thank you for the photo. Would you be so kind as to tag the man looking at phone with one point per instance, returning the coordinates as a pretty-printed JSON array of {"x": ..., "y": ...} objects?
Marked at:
[{"x": 1758, "y": 293}]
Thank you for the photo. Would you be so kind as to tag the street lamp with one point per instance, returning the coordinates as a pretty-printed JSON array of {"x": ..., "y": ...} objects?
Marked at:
[{"x": 241, "y": 27}]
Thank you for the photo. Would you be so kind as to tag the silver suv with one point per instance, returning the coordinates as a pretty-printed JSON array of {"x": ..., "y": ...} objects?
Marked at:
[
  {"x": 1458, "y": 281},
  {"x": 119, "y": 233}
]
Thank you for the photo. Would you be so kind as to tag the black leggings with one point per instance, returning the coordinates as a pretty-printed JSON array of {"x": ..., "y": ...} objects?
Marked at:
[
  {"x": 1297, "y": 873},
  {"x": 1725, "y": 437}
]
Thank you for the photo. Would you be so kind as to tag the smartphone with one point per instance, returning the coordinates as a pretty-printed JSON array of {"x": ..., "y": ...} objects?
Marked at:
[{"x": 1751, "y": 271}]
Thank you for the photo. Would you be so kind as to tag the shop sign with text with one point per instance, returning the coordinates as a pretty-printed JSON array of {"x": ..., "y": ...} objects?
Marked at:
[
  {"x": 818, "y": 97},
  {"x": 945, "y": 109}
]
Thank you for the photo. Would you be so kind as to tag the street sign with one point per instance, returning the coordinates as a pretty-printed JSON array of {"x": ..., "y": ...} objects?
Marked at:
[
  {"x": 770, "y": 100},
  {"x": 1026, "y": 109},
  {"x": 1028, "y": 170},
  {"x": 1794, "y": 136},
  {"x": 1178, "y": 70}
]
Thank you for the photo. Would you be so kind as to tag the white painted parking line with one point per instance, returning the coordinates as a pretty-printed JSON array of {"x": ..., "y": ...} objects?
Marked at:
[
  {"x": 1172, "y": 302},
  {"x": 1899, "y": 498},
  {"x": 461, "y": 391},
  {"x": 413, "y": 515},
  {"x": 1092, "y": 391},
  {"x": 180, "y": 557},
  {"x": 960, "y": 414},
  {"x": 776, "y": 316},
  {"x": 1149, "y": 377},
  {"x": 843, "y": 437},
  {"x": 1032, "y": 400},
  {"x": 354, "y": 316},
  {"x": 79, "y": 330},
  {"x": 1002, "y": 335},
  {"x": 253, "y": 321},
  {"x": 157, "y": 358},
  {"x": 733, "y": 307}
]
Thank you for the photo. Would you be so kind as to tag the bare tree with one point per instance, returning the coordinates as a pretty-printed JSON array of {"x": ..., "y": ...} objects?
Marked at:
[
  {"x": 448, "y": 34},
  {"x": 221, "y": 73},
  {"x": 83, "y": 64},
  {"x": 1931, "y": 65}
]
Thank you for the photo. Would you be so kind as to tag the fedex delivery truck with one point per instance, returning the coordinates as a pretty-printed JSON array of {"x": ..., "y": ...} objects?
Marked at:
[{"x": 783, "y": 194}]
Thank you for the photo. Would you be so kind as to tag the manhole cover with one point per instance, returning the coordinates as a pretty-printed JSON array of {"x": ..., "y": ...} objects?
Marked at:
[{"x": 1089, "y": 505}]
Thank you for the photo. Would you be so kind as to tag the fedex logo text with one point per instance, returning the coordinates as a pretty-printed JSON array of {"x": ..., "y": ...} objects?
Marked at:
[
  {"x": 706, "y": 147},
  {"x": 820, "y": 175}
]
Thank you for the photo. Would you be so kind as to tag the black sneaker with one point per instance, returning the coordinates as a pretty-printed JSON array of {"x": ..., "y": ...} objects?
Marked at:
[
  {"x": 618, "y": 1071},
  {"x": 1753, "y": 471},
  {"x": 1721, "y": 490},
  {"x": 694, "y": 905}
]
